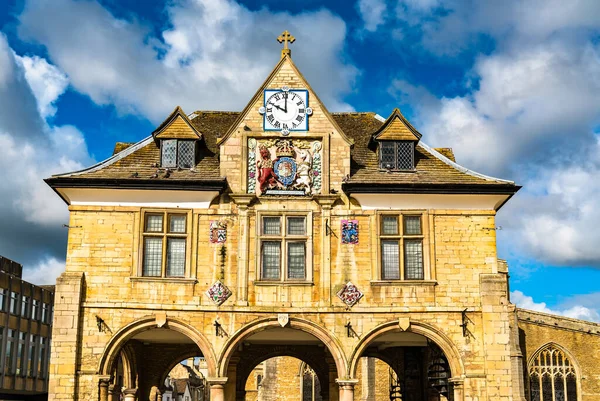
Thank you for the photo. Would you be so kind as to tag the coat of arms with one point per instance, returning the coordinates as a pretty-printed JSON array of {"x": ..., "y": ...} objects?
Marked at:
[
  {"x": 218, "y": 232},
  {"x": 349, "y": 231}
]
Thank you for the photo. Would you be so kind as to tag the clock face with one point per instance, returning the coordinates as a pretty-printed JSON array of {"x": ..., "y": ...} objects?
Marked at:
[{"x": 286, "y": 110}]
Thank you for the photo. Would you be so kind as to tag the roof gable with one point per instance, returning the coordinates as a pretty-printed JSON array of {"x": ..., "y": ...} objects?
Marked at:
[
  {"x": 285, "y": 70},
  {"x": 176, "y": 126},
  {"x": 397, "y": 128}
]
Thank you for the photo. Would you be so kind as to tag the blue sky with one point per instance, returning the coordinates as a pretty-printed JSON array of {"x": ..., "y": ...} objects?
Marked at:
[{"x": 513, "y": 87}]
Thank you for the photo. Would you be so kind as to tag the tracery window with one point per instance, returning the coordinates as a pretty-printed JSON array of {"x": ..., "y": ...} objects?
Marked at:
[
  {"x": 309, "y": 384},
  {"x": 552, "y": 376}
]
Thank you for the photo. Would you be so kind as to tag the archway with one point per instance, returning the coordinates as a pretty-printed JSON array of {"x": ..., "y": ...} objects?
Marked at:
[
  {"x": 424, "y": 364},
  {"x": 297, "y": 338},
  {"x": 146, "y": 352}
]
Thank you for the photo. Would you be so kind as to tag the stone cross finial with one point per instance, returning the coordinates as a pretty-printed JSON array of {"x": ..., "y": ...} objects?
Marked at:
[{"x": 284, "y": 38}]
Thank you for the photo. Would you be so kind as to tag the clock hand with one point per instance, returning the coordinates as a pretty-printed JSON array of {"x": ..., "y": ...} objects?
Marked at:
[
  {"x": 285, "y": 106},
  {"x": 277, "y": 107}
]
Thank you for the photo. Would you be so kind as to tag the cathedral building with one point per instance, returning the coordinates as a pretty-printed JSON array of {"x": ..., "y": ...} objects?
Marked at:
[{"x": 288, "y": 230}]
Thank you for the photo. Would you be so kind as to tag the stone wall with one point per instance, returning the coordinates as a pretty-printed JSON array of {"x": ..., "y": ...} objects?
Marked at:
[{"x": 580, "y": 340}]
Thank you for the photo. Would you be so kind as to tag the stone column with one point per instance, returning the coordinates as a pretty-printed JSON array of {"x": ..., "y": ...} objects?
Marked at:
[
  {"x": 130, "y": 394},
  {"x": 457, "y": 385},
  {"x": 217, "y": 388},
  {"x": 243, "y": 201},
  {"x": 103, "y": 385},
  {"x": 326, "y": 202},
  {"x": 346, "y": 388},
  {"x": 111, "y": 393}
]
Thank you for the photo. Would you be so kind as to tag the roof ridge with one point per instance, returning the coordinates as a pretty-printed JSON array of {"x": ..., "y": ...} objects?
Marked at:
[
  {"x": 460, "y": 168},
  {"x": 111, "y": 160},
  {"x": 216, "y": 112}
]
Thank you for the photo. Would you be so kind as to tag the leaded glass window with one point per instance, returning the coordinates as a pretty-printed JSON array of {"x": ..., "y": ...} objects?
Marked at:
[
  {"x": 164, "y": 245},
  {"x": 309, "y": 385},
  {"x": 178, "y": 153},
  {"x": 283, "y": 247},
  {"x": 401, "y": 247},
  {"x": 168, "y": 152},
  {"x": 552, "y": 376},
  {"x": 397, "y": 155}
]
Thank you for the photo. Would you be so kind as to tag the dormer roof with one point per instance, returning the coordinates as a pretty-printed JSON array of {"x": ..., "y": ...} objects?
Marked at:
[
  {"x": 397, "y": 128},
  {"x": 177, "y": 126}
]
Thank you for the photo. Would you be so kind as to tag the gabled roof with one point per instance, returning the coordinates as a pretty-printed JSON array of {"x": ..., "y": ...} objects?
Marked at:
[
  {"x": 177, "y": 126},
  {"x": 397, "y": 128},
  {"x": 137, "y": 164},
  {"x": 285, "y": 58}
]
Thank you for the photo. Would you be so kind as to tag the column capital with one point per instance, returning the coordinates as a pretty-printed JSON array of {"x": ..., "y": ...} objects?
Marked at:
[
  {"x": 130, "y": 391},
  {"x": 457, "y": 381},
  {"x": 216, "y": 381},
  {"x": 242, "y": 200},
  {"x": 326, "y": 200},
  {"x": 346, "y": 383},
  {"x": 104, "y": 381}
]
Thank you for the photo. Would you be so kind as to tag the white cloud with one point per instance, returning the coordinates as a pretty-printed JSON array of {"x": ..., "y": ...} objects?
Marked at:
[
  {"x": 529, "y": 115},
  {"x": 372, "y": 13},
  {"x": 31, "y": 214},
  {"x": 46, "y": 81},
  {"x": 575, "y": 311},
  {"x": 45, "y": 272},
  {"x": 215, "y": 54}
]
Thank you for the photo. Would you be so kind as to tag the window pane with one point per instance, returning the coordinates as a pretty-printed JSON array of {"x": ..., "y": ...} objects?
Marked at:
[
  {"x": 571, "y": 388},
  {"x": 24, "y": 306},
  {"x": 186, "y": 157},
  {"x": 169, "y": 152},
  {"x": 387, "y": 155},
  {"x": 271, "y": 259},
  {"x": 176, "y": 224},
  {"x": 296, "y": 260},
  {"x": 13, "y": 302},
  {"x": 389, "y": 225},
  {"x": 390, "y": 260},
  {"x": 413, "y": 260},
  {"x": 405, "y": 155},
  {"x": 534, "y": 383},
  {"x": 152, "y": 257},
  {"x": 271, "y": 226},
  {"x": 412, "y": 225},
  {"x": 296, "y": 226},
  {"x": 31, "y": 357},
  {"x": 176, "y": 257},
  {"x": 154, "y": 223}
]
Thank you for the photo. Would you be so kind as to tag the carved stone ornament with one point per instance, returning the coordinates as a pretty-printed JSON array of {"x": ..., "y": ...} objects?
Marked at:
[
  {"x": 284, "y": 167},
  {"x": 349, "y": 231},
  {"x": 283, "y": 319},
  {"x": 350, "y": 294},
  {"x": 218, "y": 232},
  {"x": 218, "y": 293},
  {"x": 404, "y": 323},
  {"x": 161, "y": 319}
]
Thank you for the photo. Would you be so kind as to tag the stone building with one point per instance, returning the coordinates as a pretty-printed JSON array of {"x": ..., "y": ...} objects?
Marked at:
[
  {"x": 288, "y": 230},
  {"x": 25, "y": 333}
]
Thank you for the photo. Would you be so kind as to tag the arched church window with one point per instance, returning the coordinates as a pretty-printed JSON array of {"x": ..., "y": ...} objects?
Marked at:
[
  {"x": 309, "y": 384},
  {"x": 552, "y": 376}
]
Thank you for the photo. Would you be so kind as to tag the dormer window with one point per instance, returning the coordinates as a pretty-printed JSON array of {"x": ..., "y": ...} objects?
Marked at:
[
  {"x": 178, "y": 153},
  {"x": 397, "y": 155}
]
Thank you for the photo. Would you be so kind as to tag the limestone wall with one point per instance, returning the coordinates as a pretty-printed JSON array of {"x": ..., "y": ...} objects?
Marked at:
[{"x": 580, "y": 339}]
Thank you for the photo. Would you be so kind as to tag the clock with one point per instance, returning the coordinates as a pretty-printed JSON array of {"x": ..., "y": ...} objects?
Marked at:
[{"x": 285, "y": 110}]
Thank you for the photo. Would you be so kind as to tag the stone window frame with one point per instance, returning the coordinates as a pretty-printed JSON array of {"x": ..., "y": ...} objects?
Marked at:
[
  {"x": 428, "y": 271},
  {"x": 553, "y": 361},
  {"x": 308, "y": 239},
  {"x": 188, "y": 244}
]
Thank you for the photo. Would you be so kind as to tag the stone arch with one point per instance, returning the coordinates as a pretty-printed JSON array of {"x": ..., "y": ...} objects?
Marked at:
[
  {"x": 116, "y": 343},
  {"x": 567, "y": 353},
  {"x": 176, "y": 360},
  {"x": 329, "y": 340},
  {"x": 446, "y": 345}
]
